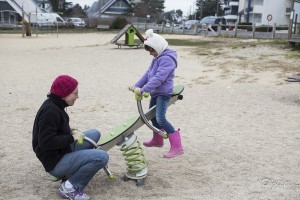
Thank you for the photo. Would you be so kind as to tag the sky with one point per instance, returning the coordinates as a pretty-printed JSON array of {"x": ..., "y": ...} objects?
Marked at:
[{"x": 185, "y": 5}]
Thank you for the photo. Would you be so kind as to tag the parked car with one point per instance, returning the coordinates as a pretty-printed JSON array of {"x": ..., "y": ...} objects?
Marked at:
[
  {"x": 75, "y": 21},
  {"x": 46, "y": 19},
  {"x": 167, "y": 25},
  {"x": 230, "y": 21},
  {"x": 188, "y": 24},
  {"x": 213, "y": 22}
]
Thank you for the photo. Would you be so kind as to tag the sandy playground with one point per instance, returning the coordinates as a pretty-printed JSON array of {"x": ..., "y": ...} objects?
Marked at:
[{"x": 239, "y": 119}]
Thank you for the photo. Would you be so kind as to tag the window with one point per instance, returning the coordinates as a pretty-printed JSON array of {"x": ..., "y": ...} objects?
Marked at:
[
  {"x": 259, "y": 2},
  {"x": 119, "y": 4},
  {"x": 257, "y": 18}
]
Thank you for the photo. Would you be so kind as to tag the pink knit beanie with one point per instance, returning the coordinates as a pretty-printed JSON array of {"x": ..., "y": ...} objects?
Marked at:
[{"x": 63, "y": 85}]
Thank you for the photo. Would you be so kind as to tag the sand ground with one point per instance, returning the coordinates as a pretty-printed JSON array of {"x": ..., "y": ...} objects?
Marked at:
[{"x": 239, "y": 119}]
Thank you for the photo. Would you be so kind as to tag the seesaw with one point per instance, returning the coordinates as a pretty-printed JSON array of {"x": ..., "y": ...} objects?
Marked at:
[
  {"x": 295, "y": 78},
  {"x": 124, "y": 137}
]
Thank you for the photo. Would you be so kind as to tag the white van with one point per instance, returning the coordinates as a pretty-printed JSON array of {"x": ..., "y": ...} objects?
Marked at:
[
  {"x": 46, "y": 19},
  {"x": 230, "y": 21}
]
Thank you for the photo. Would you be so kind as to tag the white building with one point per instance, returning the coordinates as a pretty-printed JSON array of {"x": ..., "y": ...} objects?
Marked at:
[{"x": 266, "y": 12}]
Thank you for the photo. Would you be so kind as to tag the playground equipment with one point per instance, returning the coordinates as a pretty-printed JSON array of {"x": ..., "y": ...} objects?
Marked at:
[
  {"x": 130, "y": 31},
  {"x": 124, "y": 137},
  {"x": 295, "y": 78}
]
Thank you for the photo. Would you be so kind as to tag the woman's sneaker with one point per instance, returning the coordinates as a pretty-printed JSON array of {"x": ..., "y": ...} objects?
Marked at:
[{"x": 71, "y": 193}]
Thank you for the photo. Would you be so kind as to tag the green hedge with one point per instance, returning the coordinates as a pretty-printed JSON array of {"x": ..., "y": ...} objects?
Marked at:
[{"x": 119, "y": 23}]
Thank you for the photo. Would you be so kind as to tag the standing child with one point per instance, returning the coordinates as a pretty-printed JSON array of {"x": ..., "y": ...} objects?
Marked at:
[
  {"x": 55, "y": 146},
  {"x": 158, "y": 81}
]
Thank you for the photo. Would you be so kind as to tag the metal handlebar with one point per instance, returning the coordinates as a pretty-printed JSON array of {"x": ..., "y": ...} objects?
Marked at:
[{"x": 144, "y": 118}]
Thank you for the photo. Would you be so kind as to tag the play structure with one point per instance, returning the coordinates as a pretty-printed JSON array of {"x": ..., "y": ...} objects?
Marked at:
[
  {"x": 130, "y": 31},
  {"x": 295, "y": 78},
  {"x": 125, "y": 137}
]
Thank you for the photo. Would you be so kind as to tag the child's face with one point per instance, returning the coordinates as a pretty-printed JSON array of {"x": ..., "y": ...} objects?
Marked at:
[
  {"x": 71, "y": 98},
  {"x": 153, "y": 53}
]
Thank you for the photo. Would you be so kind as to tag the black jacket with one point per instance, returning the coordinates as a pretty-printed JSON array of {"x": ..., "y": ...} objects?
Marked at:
[{"x": 51, "y": 135}]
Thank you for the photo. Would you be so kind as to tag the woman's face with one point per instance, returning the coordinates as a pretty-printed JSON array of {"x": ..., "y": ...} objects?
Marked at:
[{"x": 71, "y": 98}]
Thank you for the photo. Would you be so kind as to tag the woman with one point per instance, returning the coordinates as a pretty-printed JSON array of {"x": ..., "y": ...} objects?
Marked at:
[{"x": 56, "y": 147}]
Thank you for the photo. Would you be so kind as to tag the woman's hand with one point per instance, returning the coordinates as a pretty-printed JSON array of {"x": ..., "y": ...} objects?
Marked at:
[{"x": 78, "y": 136}]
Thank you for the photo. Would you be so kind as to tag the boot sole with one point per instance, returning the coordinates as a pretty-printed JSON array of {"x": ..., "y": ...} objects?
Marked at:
[
  {"x": 153, "y": 145},
  {"x": 172, "y": 156}
]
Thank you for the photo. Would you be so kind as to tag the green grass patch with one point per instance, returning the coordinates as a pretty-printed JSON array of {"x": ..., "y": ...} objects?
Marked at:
[{"x": 192, "y": 43}]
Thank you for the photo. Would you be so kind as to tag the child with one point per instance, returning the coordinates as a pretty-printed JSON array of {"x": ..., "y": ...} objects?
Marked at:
[
  {"x": 56, "y": 147},
  {"x": 158, "y": 81}
]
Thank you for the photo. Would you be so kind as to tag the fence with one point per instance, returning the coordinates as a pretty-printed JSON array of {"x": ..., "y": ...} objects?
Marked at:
[{"x": 239, "y": 30}]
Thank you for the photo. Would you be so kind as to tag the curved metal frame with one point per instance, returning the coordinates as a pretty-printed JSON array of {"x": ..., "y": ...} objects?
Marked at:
[{"x": 145, "y": 120}]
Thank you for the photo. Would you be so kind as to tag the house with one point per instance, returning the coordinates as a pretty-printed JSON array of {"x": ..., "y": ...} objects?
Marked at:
[
  {"x": 266, "y": 12},
  {"x": 231, "y": 8},
  {"x": 108, "y": 8},
  {"x": 9, "y": 18},
  {"x": 35, "y": 11}
]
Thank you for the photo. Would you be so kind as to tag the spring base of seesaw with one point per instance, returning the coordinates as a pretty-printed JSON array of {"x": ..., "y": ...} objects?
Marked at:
[{"x": 140, "y": 180}]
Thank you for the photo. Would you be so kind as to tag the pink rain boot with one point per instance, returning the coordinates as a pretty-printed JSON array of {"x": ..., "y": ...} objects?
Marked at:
[
  {"x": 176, "y": 146},
  {"x": 156, "y": 141}
]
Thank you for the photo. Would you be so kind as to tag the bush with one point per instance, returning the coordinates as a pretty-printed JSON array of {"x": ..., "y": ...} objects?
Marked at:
[
  {"x": 119, "y": 23},
  {"x": 264, "y": 29},
  {"x": 248, "y": 26}
]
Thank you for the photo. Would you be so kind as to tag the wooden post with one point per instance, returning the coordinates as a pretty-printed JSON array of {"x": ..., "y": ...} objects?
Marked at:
[
  {"x": 235, "y": 29},
  {"x": 162, "y": 27},
  {"x": 172, "y": 27},
  {"x": 253, "y": 30},
  {"x": 206, "y": 30},
  {"x": 28, "y": 26},
  {"x": 296, "y": 17},
  {"x": 274, "y": 31},
  {"x": 219, "y": 28},
  {"x": 290, "y": 32},
  {"x": 196, "y": 29}
]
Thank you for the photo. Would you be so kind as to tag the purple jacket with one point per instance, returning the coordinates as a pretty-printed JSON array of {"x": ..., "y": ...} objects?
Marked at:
[{"x": 158, "y": 79}]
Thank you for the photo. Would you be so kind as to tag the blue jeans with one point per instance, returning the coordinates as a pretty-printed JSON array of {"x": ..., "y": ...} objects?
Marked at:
[
  {"x": 80, "y": 166},
  {"x": 160, "y": 121}
]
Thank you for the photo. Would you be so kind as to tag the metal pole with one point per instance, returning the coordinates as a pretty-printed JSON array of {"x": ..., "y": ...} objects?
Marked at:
[
  {"x": 202, "y": 4},
  {"x": 217, "y": 8},
  {"x": 248, "y": 11},
  {"x": 23, "y": 24},
  {"x": 195, "y": 10},
  {"x": 36, "y": 25}
]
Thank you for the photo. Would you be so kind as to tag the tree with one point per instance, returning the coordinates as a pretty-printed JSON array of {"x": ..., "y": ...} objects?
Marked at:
[
  {"x": 173, "y": 15},
  {"x": 153, "y": 8},
  {"x": 209, "y": 8},
  {"x": 179, "y": 13},
  {"x": 55, "y": 5}
]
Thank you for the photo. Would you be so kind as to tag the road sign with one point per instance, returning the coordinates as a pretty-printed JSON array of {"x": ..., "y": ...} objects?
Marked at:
[{"x": 269, "y": 17}]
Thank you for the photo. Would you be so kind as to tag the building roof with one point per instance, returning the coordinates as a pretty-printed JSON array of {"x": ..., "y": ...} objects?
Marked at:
[
  {"x": 93, "y": 11},
  {"x": 5, "y": 6}
]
